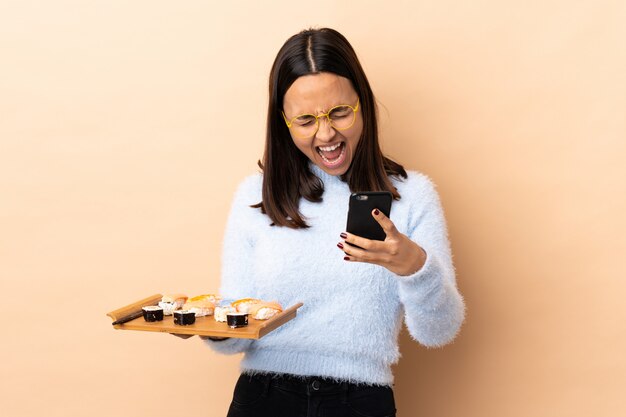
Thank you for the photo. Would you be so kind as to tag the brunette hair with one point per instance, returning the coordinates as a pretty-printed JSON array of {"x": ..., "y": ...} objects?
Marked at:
[{"x": 286, "y": 173}]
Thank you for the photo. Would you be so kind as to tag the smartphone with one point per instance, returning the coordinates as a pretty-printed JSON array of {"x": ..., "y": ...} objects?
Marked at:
[{"x": 360, "y": 220}]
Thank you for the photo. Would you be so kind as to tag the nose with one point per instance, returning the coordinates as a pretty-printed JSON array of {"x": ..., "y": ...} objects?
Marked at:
[{"x": 325, "y": 132}]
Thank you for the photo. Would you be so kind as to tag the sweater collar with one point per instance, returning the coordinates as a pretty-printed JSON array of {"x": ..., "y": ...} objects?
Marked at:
[{"x": 327, "y": 179}]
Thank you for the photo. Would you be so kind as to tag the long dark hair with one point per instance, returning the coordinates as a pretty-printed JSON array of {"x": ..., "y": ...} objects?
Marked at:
[{"x": 286, "y": 174}]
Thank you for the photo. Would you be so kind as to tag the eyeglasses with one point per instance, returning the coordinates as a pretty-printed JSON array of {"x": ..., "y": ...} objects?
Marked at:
[{"x": 306, "y": 125}]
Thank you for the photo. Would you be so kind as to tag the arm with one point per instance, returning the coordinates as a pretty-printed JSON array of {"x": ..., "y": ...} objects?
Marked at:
[
  {"x": 421, "y": 259},
  {"x": 434, "y": 308},
  {"x": 237, "y": 271}
]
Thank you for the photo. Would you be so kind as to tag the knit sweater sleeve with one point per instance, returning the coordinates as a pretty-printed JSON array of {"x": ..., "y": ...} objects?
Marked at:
[
  {"x": 434, "y": 309},
  {"x": 237, "y": 269}
]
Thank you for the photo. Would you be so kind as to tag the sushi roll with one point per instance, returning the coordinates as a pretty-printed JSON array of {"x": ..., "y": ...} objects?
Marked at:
[
  {"x": 221, "y": 312},
  {"x": 237, "y": 320},
  {"x": 171, "y": 302},
  {"x": 152, "y": 313},
  {"x": 184, "y": 317}
]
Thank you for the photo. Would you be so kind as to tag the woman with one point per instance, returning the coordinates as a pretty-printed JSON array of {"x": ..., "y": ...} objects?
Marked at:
[{"x": 285, "y": 241}]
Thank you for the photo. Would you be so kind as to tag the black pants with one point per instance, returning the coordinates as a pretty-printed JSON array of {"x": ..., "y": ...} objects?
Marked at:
[{"x": 286, "y": 396}]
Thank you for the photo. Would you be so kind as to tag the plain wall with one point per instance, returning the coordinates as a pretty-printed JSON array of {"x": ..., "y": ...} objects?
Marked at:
[{"x": 125, "y": 127}]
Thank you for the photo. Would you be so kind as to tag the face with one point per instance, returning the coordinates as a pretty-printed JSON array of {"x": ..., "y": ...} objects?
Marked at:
[{"x": 330, "y": 149}]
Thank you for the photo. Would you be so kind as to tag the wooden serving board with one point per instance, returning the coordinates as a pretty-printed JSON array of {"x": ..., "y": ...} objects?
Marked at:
[{"x": 204, "y": 326}]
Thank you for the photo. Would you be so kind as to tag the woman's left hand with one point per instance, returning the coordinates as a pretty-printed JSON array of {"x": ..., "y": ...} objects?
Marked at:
[{"x": 397, "y": 252}]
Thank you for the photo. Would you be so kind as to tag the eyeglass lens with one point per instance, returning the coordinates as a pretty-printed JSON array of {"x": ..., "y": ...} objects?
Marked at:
[{"x": 340, "y": 117}]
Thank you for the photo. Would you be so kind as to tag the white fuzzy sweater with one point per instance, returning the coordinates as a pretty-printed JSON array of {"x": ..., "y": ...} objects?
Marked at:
[{"x": 348, "y": 327}]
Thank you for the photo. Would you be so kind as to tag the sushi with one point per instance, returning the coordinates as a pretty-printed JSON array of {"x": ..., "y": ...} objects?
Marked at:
[{"x": 172, "y": 302}]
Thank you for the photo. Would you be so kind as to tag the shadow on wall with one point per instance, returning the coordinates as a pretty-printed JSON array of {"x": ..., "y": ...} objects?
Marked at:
[{"x": 424, "y": 376}]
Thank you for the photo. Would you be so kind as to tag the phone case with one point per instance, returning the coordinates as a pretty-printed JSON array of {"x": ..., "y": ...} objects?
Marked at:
[{"x": 360, "y": 220}]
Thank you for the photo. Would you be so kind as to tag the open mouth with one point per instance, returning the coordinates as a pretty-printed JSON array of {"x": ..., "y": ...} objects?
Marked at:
[{"x": 332, "y": 155}]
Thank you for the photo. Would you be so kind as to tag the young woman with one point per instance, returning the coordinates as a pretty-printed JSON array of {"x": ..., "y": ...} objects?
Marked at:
[{"x": 285, "y": 241}]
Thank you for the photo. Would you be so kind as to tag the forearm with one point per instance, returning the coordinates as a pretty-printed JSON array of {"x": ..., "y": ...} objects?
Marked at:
[{"x": 434, "y": 308}]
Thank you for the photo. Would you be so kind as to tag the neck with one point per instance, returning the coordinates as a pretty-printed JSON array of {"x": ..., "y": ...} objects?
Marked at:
[{"x": 326, "y": 178}]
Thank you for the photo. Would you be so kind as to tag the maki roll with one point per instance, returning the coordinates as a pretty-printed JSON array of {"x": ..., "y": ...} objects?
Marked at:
[
  {"x": 184, "y": 317},
  {"x": 237, "y": 319},
  {"x": 221, "y": 312},
  {"x": 152, "y": 313}
]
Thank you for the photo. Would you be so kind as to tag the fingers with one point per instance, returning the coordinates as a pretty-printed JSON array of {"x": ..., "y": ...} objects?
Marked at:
[
  {"x": 360, "y": 249},
  {"x": 354, "y": 253},
  {"x": 361, "y": 242},
  {"x": 385, "y": 222},
  {"x": 397, "y": 252}
]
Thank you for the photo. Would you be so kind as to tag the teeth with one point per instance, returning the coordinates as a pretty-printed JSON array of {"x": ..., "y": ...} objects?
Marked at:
[{"x": 329, "y": 148}]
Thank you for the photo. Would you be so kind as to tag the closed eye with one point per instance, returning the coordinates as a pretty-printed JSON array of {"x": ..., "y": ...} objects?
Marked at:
[
  {"x": 340, "y": 112},
  {"x": 305, "y": 120}
]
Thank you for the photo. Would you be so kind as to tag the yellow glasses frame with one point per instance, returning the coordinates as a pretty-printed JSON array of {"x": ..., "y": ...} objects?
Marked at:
[{"x": 354, "y": 108}]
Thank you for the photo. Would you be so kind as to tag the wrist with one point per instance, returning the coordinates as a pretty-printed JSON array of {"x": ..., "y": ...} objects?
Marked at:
[{"x": 417, "y": 264}]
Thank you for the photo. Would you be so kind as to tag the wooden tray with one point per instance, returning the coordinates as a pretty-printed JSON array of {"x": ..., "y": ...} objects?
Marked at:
[{"x": 204, "y": 326}]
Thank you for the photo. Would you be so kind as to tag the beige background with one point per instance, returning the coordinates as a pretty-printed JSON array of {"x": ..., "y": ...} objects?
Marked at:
[{"x": 125, "y": 127}]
